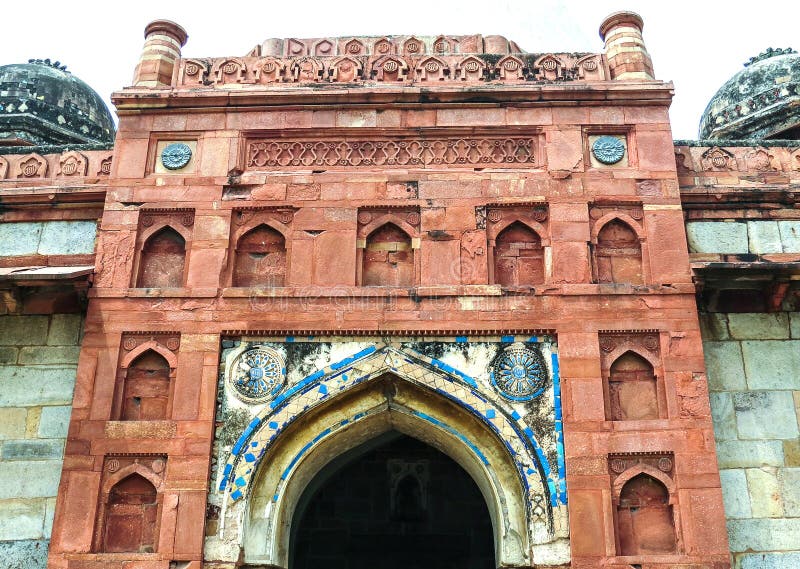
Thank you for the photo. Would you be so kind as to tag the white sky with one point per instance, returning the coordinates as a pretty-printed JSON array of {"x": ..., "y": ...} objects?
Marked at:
[{"x": 696, "y": 44}]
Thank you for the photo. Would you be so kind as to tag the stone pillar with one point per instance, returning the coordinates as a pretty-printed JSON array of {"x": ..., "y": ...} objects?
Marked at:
[
  {"x": 625, "y": 50},
  {"x": 162, "y": 49}
]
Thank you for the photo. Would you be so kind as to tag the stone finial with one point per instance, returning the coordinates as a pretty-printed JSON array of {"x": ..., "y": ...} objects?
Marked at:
[
  {"x": 162, "y": 49},
  {"x": 625, "y": 50}
]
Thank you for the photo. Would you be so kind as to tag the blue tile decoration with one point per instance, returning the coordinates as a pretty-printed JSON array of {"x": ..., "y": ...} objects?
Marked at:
[
  {"x": 176, "y": 155},
  {"x": 509, "y": 383},
  {"x": 608, "y": 149},
  {"x": 258, "y": 374}
]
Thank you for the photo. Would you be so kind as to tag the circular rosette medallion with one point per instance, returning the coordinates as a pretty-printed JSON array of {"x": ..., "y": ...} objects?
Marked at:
[
  {"x": 257, "y": 375},
  {"x": 176, "y": 155},
  {"x": 519, "y": 373},
  {"x": 608, "y": 149}
]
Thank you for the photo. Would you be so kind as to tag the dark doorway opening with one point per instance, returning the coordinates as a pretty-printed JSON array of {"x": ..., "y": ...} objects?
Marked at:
[{"x": 393, "y": 503}]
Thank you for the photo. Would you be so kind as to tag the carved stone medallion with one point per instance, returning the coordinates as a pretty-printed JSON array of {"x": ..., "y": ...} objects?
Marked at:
[
  {"x": 608, "y": 149},
  {"x": 176, "y": 155},
  {"x": 257, "y": 375},
  {"x": 519, "y": 373}
]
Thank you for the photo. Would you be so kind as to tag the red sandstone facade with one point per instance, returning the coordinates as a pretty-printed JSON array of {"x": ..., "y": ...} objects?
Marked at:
[{"x": 424, "y": 200}]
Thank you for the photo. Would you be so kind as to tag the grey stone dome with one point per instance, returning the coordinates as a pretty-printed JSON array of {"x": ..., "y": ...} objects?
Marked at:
[
  {"x": 42, "y": 103},
  {"x": 760, "y": 101}
]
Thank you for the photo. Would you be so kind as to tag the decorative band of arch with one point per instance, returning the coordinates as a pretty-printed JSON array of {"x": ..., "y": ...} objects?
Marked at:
[{"x": 534, "y": 468}]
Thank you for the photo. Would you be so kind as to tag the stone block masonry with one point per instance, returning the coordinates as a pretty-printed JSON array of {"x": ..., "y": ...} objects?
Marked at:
[
  {"x": 752, "y": 366},
  {"x": 38, "y": 359}
]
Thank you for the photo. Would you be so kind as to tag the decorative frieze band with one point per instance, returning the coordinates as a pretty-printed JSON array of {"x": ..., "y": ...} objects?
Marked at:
[{"x": 418, "y": 152}]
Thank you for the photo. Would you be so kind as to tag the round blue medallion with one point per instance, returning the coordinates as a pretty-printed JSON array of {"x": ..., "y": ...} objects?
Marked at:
[
  {"x": 608, "y": 149},
  {"x": 257, "y": 375},
  {"x": 519, "y": 373},
  {"x": 176, "y": 155}
]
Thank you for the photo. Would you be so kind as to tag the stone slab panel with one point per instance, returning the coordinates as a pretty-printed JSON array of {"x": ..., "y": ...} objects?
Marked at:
[
  {"x": 29, "y": 479},
  {"x": 54, "y": 422},
  {"x": 772, "y": 364},
  {"x": 32, "y": 449},
  {"x": 24, "y": 554},
  {"x": 21, "y": 519},
  {"x": 759, "y": 326},
  {"x": 765, "y": 415},
  {"x": 765, "y": 534},
  {"x": 725, "y": 366},
  {"x": 769, "y": 561},
  {"x": 68, "y": 238},
  {"x": 12, "y": 423},
  {"x": 790, "y": 236},
  {"x": 32, "y": 355},
  {"x": 789, "y": 480},
  {"x": 65, "y": 330},
  {"x": 723, "y": 415},
  {"x": 764, "y": 237},
  {"x": 745, "y": 454},
  {"x": 794, "y": 324},
  {"x": 734, "y": 493},
  {"x": 765, "y": 496},
  {"x": 717, "y": 237},
  {"x": 25, "y": 386},
  {"x": 714, "y": 326},
  {"x": 19, "y": 238},
  {"x": 23, "y": 330}
]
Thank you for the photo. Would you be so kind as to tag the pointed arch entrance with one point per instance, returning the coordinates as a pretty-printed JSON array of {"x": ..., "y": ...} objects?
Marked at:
[{"x": 398, "y": 387}]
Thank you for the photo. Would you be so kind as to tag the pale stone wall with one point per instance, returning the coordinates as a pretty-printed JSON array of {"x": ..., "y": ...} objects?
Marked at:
[
  {"x": 753, "y": 365},
  {"x": 757, "y": 237},
  {"x": 38, "y": 359},
  {"x": 47, "y": 238}
]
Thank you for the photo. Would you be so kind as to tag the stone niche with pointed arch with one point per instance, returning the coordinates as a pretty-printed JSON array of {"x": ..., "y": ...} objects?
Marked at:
[{"x": 289, "y": 406}]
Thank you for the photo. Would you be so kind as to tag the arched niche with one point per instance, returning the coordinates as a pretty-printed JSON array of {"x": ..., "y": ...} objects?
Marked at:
[
  {"x": 260, "y": 258},
  {"x": 360, "y": 415},
  {"x": 618, "y": 252},
  {"x": 644, "y": 515},
  {"x": 518, "y": 256},
  {"x": 388, "y": 257},
  {"x": 128, "y": 518},
  {"x": 146, "y": 386},
  {"x": 162, "y": 260},
  {"x": 632, "y": 388}
]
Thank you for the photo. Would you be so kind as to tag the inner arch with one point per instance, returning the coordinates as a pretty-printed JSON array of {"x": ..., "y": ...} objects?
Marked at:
[{"x": 393, "y": 502}]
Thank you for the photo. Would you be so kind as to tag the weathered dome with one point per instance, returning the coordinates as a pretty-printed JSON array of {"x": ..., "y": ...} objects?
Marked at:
[
  {"x": 43, "y": 103},
  {"x": 761, "y": 101}
]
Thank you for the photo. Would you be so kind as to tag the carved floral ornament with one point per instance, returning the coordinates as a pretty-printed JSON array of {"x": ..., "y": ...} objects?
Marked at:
[{"x": 32, "y": 166}]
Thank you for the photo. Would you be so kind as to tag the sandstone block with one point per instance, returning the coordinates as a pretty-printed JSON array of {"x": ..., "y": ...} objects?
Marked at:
[
  {"x": 790, "y": 236},
  {"x": 789, "y": 480},
  {"x": 12, "y": 423},
  {"x": 772, "y": 364},
  {"x": 19, "y": 238},
  {"x": 23, "y": 330},
  {"x": 65, "y": 330},
  {"x": 765, "y": 415},
  {"x": 742, "y": 454},
  {"x": 714, "y": 326},
  {"x": 32, "y": 479},
  {"x": 765, "y": 496},
  {"x": 8, "y": 355},
  {"x": 770, "y": 561},
  {"x": 734, "y": 493},
  {"x": 723, "y": 416},
  {"x": 21, "y": 519},
  {"x": 68, "y": 238},
  {"x": 32, "y": 449},
  {"x": 54, "y": 422},
  {"x": 49, "y": 355},
  {"x": 765, "y": 534},
  {"x": 764, "y": 237},
  {"x": 725, "y": 366},
  {"x": 794, "y": 324},
  {"x": 759, "y": 326},
  {"x": 717, "y": 237},
  {"x": 24, "y": 554},
  {"x": 24, "y": 386}
]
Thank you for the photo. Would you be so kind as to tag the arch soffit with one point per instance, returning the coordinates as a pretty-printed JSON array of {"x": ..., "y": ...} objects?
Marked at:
[
  {"x": 624, "y": 218},
  {"x": 620, "y": 351},
  {"x": 634, "y": 471},
  {"x": 534, "y": 226},
  {"x": 148, "y": 233},
  {"x": 388, "y": 218},
  {"x": 253, "y": 225},
  {"x": 154, "y": 346},
  {"x": 126, "y": 471}
]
